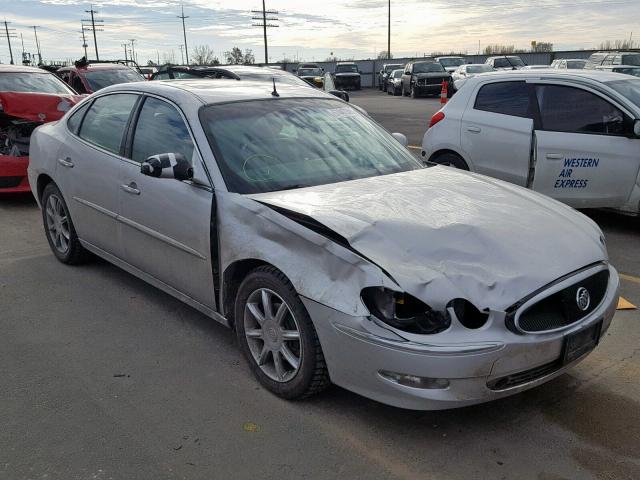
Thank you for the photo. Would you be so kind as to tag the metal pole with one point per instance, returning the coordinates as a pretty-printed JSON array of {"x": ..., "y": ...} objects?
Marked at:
[
  {"x": 264, "y": 21},
  {"x": 6, "y": 29},
  {"x": 35, "y": 32},
  {"x": 125, "y": 52},
  {"x": 389, "y": 34},
  {"x": 93, "y": 27},
  {"x": 184, "y": 34},
  {"x": 84, "y": 42}
]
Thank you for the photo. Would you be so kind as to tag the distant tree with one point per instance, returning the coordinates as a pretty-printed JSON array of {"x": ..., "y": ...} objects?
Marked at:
[
  {"x": 499, "y": 49},
  {"x": 236, "y": 57},
  {"x": 169, "y": 58},
  {"x": 384, "y": 55},
  {"x": 542, "y": 47},
  {"x": 249, "y": 57},
  {"x": 627, "y": 44},
  {"x": 203, "y": 55}
]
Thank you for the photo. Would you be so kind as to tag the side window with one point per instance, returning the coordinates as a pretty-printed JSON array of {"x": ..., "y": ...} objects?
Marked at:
[
  {"x": 617, "y": 60},
  {"x": 501, "y": 63},
  {"x": 407, "y": 70},
  {"x": 160, "y": 129},
  {"x": 507, "y": 98},
  {"x": 161, "y": 76},
  {"x": 76, "y": 118},
  {"x": 106, "y": 120},
  {"x": 569, "y": 109}
]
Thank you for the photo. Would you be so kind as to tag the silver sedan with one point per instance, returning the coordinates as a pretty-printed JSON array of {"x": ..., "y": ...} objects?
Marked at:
[{"x": 293, "y": 218}]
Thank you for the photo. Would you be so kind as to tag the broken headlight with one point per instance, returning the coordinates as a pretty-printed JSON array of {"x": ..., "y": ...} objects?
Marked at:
[{"x": 404, "y": 312}]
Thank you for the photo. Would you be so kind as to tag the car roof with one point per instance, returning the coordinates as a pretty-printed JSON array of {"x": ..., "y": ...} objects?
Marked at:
[
  {"x": 97, "y": 66},
  {"x": 209, "y": 90},
  {"x": 594, "y": 75},
  {"x": 20, "y": 69},
  {"x": 449, "y": 56}
]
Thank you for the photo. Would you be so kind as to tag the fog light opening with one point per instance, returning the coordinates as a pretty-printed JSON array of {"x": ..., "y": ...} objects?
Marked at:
[{"x": 414, "y": 381}]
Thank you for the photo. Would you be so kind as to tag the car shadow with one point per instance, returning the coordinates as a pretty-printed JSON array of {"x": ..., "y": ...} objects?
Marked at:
[{"x": 17, "y": 200}]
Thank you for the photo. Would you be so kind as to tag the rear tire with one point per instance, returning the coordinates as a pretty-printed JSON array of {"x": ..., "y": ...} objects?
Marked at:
[
  {"x": 59, "y": 229},
  {"x": 451, "y": 159},
  {"x": 277, "y": 337}
]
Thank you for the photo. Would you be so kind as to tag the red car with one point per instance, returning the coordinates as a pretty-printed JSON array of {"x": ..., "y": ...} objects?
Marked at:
[
  {"x": 91, "y": 77},
  {"x": 29, "y": 97}
]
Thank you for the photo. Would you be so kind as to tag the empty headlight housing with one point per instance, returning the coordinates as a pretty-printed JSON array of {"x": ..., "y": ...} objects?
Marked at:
[
  {"x": 404, "y": 312},
  {"x": 467, "y": 313}
]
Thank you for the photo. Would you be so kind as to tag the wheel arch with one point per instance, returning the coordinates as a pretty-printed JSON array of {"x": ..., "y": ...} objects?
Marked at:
[
  {"x": 42, "y": 182},
  {"x": 444, "y": 151},
  {"x": 233, "y": 276}
]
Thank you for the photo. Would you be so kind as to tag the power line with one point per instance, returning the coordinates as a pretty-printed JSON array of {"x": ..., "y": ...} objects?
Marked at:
[
  {"x": 265, "y": 17},
  {"x": 9, "y": 34},
  {"x": 184, "y": 33},
  {"x": 93, "y": 28}
]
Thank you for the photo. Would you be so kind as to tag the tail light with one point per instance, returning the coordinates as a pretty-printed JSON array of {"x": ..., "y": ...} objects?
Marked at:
[{"x": 436, "y": 118}]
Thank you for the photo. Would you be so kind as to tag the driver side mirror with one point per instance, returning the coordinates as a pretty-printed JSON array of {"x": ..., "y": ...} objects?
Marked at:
[
  {"x": 167, "y": 165},
  {"x": 401, "y": 138},
  {"x": 340, "y": 94}
]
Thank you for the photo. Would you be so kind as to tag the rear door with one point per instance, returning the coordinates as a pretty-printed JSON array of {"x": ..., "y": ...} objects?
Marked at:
[
  {"x": 89, "y": 172},
  {"x": 496, "y": 130},
  {"x": 584, "y": 156},
  {"x": 166, "y": 223}
]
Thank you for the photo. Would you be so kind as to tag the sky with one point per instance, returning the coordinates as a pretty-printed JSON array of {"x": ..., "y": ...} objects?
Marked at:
[{"x": 313, "y": 30}]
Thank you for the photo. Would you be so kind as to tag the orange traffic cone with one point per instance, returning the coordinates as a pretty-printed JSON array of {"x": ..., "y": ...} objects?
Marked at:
[{"x": 444, "y": 93}]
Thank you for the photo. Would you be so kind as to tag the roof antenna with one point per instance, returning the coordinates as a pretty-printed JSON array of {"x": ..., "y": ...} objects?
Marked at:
[{"x": 275, "y": 92}]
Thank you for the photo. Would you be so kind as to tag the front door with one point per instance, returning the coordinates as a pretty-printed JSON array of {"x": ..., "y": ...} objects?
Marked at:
[
  {"x": 166, "y": 223},
  {"x": 584, "y": 156},
  {"x": 496, "y": 131}
]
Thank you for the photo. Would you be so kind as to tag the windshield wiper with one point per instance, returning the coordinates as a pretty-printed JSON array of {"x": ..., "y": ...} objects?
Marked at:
[{"x": 293, "y": 187}]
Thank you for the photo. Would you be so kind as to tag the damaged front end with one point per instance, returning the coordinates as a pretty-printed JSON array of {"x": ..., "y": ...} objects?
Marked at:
[{"x": 20, "y": 115}]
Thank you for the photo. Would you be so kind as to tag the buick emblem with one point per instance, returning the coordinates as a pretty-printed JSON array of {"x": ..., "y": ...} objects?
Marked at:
[{"x": 583, "y": 299}]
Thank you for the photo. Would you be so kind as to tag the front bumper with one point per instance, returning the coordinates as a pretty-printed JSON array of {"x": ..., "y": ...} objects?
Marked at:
[
  {"x": 357, "y": 349},
  {"x": 13, "y": 174}
]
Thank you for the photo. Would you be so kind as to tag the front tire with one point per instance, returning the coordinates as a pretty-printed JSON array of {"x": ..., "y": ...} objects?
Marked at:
[
  {"x": 277, "y": 337},
  {"x": 451, "y": 159},
  {"x": 59, "y": 229}
]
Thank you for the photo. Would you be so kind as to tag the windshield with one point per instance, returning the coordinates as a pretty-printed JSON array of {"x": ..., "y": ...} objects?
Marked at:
[
  {"x": 451, "y": 62},
  {"x": 516, "y": 61},
  {"x": 308, "y": 72},
  {"x": 397, "y": 73},
  {"x": 631, "y": 59},
  {"x": 390, "y": 68},
  {"x": 270, "y": 145},
  {"x": 479, "y": 68},
  {"x": 103, "y": 78},
  {"x": 427, "y": 67},
  {"x": 32, "y": 82},
  {"x": 627, "y": 88},
  {"x": 346, "y": 69},
  {"x": 577, "y": 64}
]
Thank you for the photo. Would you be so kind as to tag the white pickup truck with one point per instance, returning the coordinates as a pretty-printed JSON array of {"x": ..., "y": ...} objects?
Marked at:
[{"x": 572, "y": 135}]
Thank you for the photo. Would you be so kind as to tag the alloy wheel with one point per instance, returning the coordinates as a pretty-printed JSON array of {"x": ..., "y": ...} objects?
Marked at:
[
  {"x": 273, "y": 335},
  {"x": 57, "y": 224}
]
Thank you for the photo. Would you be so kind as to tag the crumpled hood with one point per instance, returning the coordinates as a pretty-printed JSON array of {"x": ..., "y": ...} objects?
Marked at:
[
  {"x": 37, "y": 107},
  {"x": 443, "y": 233}
]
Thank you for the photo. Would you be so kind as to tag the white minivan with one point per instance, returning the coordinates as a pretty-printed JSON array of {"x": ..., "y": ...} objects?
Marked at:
[{"x": 572, "y": 135}]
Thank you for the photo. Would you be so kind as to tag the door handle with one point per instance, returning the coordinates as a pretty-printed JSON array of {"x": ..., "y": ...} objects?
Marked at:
[
  {"x": 554, "y": 156},
  {"x": 474, "y": 129},
  {"x": 132, "y": 188},
  {"x": 65, "y": 162}
]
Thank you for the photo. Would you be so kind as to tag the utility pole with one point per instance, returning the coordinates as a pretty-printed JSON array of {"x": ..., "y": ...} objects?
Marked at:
[
  {"x": 35, "y": 32},
  {"x": 389, "y": 33},
  {"x": 84, "y": 42},
  {"x": 93, "y": 28},
  {"x": 133, "y": 50},
  {"x": 125, "y": 51},
  {"x": 184, "y": 33},
  {"x": 23, "y": 56},
  {"x": 265, "y": 16},
  {"x": 9, "y": 37}
]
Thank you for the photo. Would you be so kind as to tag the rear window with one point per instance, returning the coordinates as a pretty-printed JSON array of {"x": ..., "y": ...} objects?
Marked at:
[
  {"x": 506, "y": 98},
  {"x": 427, "y": 67},
  {"x": 99, "y": 79},
  {"x": 32, "y": 82},
  {"x": 479, "y": 68}
]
